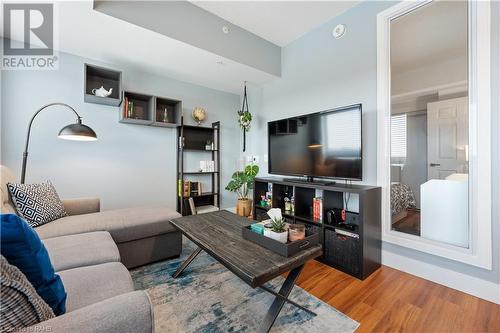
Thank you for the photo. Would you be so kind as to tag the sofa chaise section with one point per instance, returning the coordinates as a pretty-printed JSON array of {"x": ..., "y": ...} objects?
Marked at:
[{"x": 142, "y": 234}]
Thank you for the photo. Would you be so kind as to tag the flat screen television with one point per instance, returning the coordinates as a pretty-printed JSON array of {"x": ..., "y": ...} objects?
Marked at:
[{"x": 325, "y": 144}]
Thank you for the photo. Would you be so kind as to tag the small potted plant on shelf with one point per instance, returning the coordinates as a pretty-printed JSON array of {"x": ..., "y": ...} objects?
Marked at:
[
  {"x": 278, "y": 230},
  {"x": 241, "y": 182}
]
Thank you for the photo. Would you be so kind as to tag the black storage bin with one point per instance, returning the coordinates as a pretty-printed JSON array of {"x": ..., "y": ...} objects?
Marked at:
[{"x": 342, "y": 251}]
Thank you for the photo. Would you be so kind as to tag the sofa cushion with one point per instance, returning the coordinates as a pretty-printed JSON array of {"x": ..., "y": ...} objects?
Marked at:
[
  {"x": 123, "y": 224},
  {"x": 37, "y": 203},
  {"x": 22, "y": 247},
  {"x": 20, "y": 305},
  {"x": 127, "y": 313},
  {"x": 92, "y": 284},
  {"x": 91, "y": 248}
]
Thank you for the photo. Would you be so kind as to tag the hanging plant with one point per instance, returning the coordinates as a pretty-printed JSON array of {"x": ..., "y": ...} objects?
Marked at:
[{"x": 244, "y": 117}]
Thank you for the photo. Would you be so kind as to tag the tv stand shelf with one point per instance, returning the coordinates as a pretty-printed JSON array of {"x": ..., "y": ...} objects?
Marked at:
[{"x": 355, "y": 252}]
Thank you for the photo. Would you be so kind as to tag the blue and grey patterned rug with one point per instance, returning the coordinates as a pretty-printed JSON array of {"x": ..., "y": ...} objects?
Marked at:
[{"x": 209, "y": 298}]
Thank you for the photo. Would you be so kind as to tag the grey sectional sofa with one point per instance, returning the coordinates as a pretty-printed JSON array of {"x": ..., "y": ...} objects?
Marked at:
[
  {"x": 142, "y": 234},
  {"x": 91, "y": 251}
]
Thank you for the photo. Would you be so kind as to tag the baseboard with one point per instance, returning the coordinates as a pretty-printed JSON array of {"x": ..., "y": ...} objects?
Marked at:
[{"x": 465, "y": 283}]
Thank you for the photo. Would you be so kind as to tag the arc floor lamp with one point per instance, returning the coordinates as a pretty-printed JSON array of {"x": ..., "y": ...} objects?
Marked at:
[{"x": 77, "y": 132}]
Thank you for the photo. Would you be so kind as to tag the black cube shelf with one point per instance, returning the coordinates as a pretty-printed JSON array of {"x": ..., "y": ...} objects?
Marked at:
[{"x": 357, "y": 252}]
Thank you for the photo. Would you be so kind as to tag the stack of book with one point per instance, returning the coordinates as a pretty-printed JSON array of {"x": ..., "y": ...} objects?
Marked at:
[
  {"x": 133, "y": 109},
  {"x": 128, "y": 108},
  {"x": 318, "y": 209},
  {"x": 189, "y": 189}
]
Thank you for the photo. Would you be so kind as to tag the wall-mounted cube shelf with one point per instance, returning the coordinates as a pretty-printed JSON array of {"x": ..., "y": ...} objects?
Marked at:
[
  {"x": 96, "y": 77},
  {"x": 137, "y": 108},
  {"x": 142, "y": 109},
  {"x": 167, "y": 112}
]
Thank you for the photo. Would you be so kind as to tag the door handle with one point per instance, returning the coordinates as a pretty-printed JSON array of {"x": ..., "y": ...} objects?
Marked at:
[{"x": 435, "y": 164}]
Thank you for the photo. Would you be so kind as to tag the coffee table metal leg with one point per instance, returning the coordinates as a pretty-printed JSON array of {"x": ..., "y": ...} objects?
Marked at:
[
  {"x": 287, "y": 300},
  {"x": 186, "y": 262},
  {"x": 278, "y": 303}
]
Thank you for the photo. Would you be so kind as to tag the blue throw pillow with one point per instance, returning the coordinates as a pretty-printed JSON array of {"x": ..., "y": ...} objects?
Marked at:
[{"x": 22, "y": 247}]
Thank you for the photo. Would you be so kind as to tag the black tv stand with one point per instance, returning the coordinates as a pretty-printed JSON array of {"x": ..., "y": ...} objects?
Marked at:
[
  {"x": 354, "y": 246},
  {"x": 310, "y": 180}
]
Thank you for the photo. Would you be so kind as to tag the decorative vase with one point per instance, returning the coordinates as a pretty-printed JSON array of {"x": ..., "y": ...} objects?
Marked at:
[
  {"x": 244, "y": 207},
  {"x": 165, "y": 115},
  {"x": 281, "y": 237}
]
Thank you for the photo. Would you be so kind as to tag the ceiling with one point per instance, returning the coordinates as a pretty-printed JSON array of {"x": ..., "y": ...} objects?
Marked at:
[
  {"x": 442, "y": 37},
  {"x": 91, "y": 34},
  {"x": 94, "y": 35},
  {"x": 279, "y": 22}
]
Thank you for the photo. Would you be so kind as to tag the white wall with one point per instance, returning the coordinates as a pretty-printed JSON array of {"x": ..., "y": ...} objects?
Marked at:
[
  {"x": 129, "y": 165},
  {"x": 320, "y": 73}
]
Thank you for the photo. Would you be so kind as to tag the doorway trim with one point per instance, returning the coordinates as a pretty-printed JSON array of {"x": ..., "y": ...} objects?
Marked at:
[{"x": 479, "y": 252}]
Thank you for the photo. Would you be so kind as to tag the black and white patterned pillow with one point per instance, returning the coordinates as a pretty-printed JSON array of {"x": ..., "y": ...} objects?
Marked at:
[
  {"x": 37, "y": 203},
  {"x": 20, "y": 305}
]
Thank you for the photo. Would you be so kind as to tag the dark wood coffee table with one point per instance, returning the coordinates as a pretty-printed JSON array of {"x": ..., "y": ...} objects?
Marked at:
[{"x": 219, "y": 235}]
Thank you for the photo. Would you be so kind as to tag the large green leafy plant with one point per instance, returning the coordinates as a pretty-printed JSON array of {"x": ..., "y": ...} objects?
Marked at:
[{"x": 242, "y": 181}]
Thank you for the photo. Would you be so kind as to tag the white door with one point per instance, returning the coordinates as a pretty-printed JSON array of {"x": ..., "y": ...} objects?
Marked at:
[{"x": 447, "y": 143}]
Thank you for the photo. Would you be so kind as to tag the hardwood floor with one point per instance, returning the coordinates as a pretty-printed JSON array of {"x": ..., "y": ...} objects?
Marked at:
[{"x": 393, "y": 301}]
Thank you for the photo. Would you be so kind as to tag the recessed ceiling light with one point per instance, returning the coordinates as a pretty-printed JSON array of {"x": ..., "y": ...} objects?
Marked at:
[
  {"x": 339, "y": 31},
  {"x": 225, "y": 29}
]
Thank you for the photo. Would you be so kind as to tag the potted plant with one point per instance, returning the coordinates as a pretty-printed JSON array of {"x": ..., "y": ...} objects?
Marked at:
[
  {"x": 241, "y": 182},
  {"x": 278, "y": 230}
]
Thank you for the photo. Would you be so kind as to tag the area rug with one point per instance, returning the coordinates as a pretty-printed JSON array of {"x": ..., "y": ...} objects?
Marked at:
[{"x": 209, "y": 298}]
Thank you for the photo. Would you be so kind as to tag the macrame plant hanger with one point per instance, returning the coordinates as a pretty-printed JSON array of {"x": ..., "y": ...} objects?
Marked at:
[{"x": 242, "y": 112}]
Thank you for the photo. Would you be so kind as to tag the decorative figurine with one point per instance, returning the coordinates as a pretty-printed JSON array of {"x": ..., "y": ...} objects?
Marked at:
[
  {"x": 101, "y": 92},
  {"x": 199, "y": 114}
]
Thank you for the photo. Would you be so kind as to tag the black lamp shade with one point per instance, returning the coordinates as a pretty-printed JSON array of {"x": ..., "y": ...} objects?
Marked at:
[{"x": 77, "y": 132}]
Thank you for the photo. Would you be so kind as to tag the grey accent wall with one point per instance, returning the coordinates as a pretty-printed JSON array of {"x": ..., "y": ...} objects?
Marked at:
[
  {"x": 320, "y": 72},
  {"x": 193, "y": 25},
  {"x": 129, "y": 165}
]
